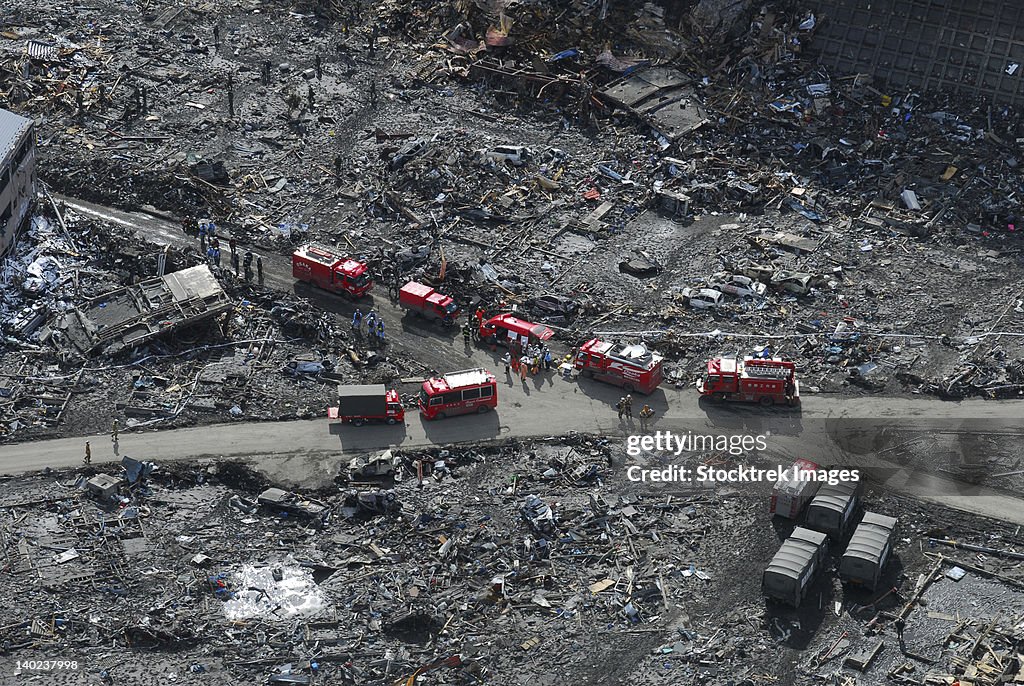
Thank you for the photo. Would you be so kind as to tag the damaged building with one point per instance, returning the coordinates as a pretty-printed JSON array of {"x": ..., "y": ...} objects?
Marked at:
[{"x": 17, "y": 175}]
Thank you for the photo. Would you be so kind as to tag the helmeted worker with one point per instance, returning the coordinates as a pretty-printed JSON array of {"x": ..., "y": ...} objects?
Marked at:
[
  {"x": 357, "y": 319},
  {"x": 88, "y": 453},
  {"x": 114, "y": 429},
  {"x": 467, "y": 333},
  {"x": 621, "y": 407},
  {"x": 629, "y": 406},
  {"x": 380, "y": 330},
  {"x": 645, "y": 416}
]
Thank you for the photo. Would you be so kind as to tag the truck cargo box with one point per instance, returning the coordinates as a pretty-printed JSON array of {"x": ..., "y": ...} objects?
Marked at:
[
  {"x": 362, "y": 401},
  {"x": 869, "y": 550},
  {"x": 833, "y": 509},
  {"x": 791, "y": 572}
]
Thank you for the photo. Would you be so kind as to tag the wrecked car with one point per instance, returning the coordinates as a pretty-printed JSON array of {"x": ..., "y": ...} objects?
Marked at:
[
  {"x": 280, "y": 500},
  {"x": 370, "y": 503},
  {"x": 381, "y": 465},
  {"x": 554, "y": 304},
  {"x": 737, "y": 284},
  {"x": 408, "y": 152},
  {"x": 538, "y": 515},
  {"x": 703, "y": 298},
  {"x": 758, "y": 272},
  {"x": 516, "y": 155},
  {"x": 797, "y": 283}
]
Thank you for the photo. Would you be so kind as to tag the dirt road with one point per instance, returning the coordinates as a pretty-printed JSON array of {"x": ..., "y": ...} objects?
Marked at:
[{"x": 861, "y": 431}]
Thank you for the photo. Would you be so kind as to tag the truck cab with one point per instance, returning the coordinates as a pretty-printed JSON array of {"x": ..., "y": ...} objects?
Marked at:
[{"x": 351, "y": 276}]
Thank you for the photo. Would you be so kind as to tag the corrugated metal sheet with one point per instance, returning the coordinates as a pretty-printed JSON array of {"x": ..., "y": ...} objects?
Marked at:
[
  {"x": 39, "y": 50},
  {"x": 12, "y": 128}
]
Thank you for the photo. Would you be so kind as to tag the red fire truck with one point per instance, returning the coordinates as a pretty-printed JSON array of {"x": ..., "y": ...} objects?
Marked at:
[
  {"x": 505, "y": 328},
  {"x": 425, "y": 301},
  {"x": 471, "y": 390},
  {"x": 751, "y": 380},
  {"x": 633, "y": 367},
  {"x": 330, "y": 271}
]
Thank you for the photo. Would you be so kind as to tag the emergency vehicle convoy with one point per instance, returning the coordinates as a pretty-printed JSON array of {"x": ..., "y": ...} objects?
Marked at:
[
  {"x": 471, "y": 390},
  {"x": 330, "y": 271},
  {"x": 368, "y": 403},
  {"x": 751, "y": 380},
  {"x": 633, "y": 367},
  {"x": 506, "y": 328},
  {"x": 425, "y": 301}
]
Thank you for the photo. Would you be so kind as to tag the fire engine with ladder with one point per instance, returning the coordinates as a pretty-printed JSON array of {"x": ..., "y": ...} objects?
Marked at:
[
  {"x": 330, "y": 271},
  {"x": 633, "y": 367},
  {"x": 768, "y": 381}
]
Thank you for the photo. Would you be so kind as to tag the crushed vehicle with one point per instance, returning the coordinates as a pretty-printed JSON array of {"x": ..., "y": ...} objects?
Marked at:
[
  {"x": 538, "y": 515},
  {"x": 280, "y": 500},
  {"x": 753, "y": 270},
  {"x": 632, "y": 367},
  {"x": 796, "y": 283},
  {"x": 554, "y": 304},
  {"x": 703, "y": 298},
  {"x": 407, "y": 258},
  {"x": 331, "y": 271},
  {"x": 737, "y": 284},
  {"x": 370, "y": 502},
  {"x": 408, "y": 152},
  {"x": 424, "y": 301},
  {"x": 382, "y": 465},
  {"x": 516, "y": 155}
]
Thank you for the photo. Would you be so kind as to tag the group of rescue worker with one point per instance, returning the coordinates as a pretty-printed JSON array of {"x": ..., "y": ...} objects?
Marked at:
[{"x": 374, "y": 326}]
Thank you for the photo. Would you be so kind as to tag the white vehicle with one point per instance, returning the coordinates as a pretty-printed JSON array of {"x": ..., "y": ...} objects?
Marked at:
[
  {"x": 794, "y": 282},
  {"x": 382, "y": 465},
  {"x": 516, "y": 155},
  {"x": 737, "y": 284},
  {"x": 704, "y": 298}
]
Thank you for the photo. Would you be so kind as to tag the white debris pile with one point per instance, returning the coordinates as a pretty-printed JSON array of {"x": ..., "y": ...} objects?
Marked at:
[{"x": 258, "y": 593}]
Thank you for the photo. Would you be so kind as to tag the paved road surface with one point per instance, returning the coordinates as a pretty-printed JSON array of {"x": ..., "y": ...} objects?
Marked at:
[{"x": 860, "y": 431}]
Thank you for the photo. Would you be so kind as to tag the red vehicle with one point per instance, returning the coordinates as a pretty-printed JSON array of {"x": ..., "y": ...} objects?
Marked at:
[
  {"x": 505, "y": 328},
  {"x": 425, "y": 301},
  {"x": 370, "y": 403},
  {"x": 751, "y": 380},
  {"x": 331, "y": 271},
  {"x": 472, "y": 390},
  {"x": 633, "y": 367}
]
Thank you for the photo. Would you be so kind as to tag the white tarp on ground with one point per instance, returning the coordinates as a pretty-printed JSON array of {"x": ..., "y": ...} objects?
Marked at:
[{"x": 256, "y": 594}]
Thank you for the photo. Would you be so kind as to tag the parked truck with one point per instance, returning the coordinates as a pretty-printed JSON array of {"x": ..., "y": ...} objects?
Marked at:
[
  {"x": 331, "y": 271},
  {"x": 633, "y": 367},
  {"x": 833, "y": 509},
  {"x": 868, "y": 551},
  {"x": 770, "y": 381},
  {"x": 792, "y": 571},
  {"x": 791, "y": 494},
  {"x": 367, "y": 403},
  {"x": 424, "y": 301}
]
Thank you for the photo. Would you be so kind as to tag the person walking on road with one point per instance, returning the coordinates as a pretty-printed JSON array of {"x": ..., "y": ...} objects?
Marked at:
[
  {"x": 259, "y": 268},
  {"x": 621, "y": 407},
  {"x": 522, "y": 370},
  {"x": 467, "y": 335},
  {"x": 380, "y": 332},
  {"x": 114, "y": 430},
  {"x": 508, "y": 364},
  {"x": 646, "y": 413},
  {"x": 629, "y": 406},
  {"x": 88, "y": 454},
  {"x": 357, "y": 320}
]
